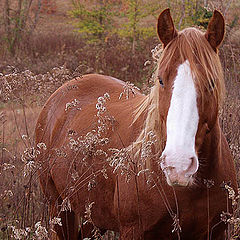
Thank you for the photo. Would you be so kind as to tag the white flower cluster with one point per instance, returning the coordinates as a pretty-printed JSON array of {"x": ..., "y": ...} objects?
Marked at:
[
  {"x": 91, "y": 184},
  {"x": 147, "y": 143},
  {"x": 88, "y": 212},
  {"x": 74, "y": 175},
  {"x": 121, "y": 161},
  {"x": 87, "y": 145},
  {"x": 15, "y": 84},
  {"x": 55, "y": 221},
  {"x": 73, "y": 104},
  {"x": 157, "y": 52},
  {"x": 60, "y": 152},
  {"x": 7, "y": 166},
  {"x": 29, "y": 168},
  {"x": 42, "y": 146},
  {"x": 28, "y": 157},
  {"x": 232, "y": 195},
  {"x": 96, "y": 234},
  {"x": 100, "y": 105},
  {"x": 128, "y": 88},
  {"x": 102, "y": 119},
  {"x": 40, "y": 231},
  {"x": 60, "y": 72},
  {"x": 208, "y": 182},
  {"x": 234, "y": 221},
  {"x": 29, "y": 154},
  {"x": 18, "y": 233},
  {"x": 176, "y": 224},
  {"x": 25, "y": 137},
  {"x": 91, "y": 144},
  {"x": 6, "y": 89},
  {"x": 66, "y": 205},
  {"x": 6, "y": 193}
]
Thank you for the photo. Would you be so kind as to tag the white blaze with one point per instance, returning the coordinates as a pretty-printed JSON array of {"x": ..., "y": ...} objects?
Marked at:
[{"x": 182, "y": 121}]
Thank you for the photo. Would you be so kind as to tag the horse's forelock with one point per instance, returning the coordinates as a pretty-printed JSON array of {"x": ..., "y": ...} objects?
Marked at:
[{"x": 205, "y": 65}]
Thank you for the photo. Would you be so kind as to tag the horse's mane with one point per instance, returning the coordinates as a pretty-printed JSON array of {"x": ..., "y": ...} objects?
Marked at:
[
  {"x": 190, "y": 44},
  {"x": 205, "y": 64}
]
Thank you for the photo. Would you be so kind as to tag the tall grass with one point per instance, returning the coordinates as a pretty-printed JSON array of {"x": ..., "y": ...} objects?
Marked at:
[{"x": 38, "y": 72}]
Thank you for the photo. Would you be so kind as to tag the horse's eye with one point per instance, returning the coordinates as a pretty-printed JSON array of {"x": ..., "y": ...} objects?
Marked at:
[{"x": 160, "y": 81}]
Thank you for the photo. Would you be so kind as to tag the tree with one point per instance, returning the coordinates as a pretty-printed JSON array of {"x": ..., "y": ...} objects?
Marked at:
[
  {"x": 135, "y": 12},
  {"x": 18, "y": 22},
  {"x": 94, "y": 23},
  {"x": 190, "y": 12}
]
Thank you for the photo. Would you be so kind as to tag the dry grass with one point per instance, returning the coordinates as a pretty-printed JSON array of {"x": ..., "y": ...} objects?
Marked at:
[
  {"x": 22, "y": 203},
  {"x": 24, "y": 90}
]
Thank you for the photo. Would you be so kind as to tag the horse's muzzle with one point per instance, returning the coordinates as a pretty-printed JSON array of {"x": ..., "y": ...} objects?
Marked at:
[
  {"x": 176, "y": 179},
  {"x": 179, "y": 174}
]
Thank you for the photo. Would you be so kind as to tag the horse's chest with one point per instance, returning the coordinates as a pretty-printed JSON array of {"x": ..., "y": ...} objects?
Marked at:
[{"x": 197, "y": 214}]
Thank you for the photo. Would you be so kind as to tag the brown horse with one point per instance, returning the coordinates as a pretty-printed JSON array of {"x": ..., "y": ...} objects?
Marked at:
[{"x": 149, "y": 167}]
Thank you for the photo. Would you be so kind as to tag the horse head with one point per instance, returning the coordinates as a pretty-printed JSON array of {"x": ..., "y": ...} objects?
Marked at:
[{"x": 191, "y": 89}]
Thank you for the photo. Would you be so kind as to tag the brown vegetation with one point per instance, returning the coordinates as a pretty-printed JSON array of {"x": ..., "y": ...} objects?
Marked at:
[{"x": 52, "y": 56}]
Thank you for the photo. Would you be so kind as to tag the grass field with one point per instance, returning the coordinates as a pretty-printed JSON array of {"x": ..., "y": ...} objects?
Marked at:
[{"x": 54, "y": 55}]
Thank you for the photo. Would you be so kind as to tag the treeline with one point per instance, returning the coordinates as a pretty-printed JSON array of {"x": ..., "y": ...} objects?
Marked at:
[{"x": 114, "y": 37}]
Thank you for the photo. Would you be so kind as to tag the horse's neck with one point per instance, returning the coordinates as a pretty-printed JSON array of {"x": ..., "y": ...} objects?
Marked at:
[
  {"x": 211, "y": 146},
  {"x": 215, "y": 155}
]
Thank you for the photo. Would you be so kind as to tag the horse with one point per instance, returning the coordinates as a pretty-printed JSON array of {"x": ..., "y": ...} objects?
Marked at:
[{"x": 146, "y": 166}]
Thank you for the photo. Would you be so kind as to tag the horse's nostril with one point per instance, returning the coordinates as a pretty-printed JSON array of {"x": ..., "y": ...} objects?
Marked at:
[{"x": 192, "y": 167}]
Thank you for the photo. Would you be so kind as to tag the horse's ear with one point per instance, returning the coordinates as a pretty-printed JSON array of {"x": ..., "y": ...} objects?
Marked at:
[
  {"x": 216, "y": 29},
  {"x": 165, "y": 27}
]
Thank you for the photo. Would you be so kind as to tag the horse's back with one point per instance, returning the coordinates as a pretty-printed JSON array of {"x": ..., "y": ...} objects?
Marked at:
[{"x": 74, "y": 97}]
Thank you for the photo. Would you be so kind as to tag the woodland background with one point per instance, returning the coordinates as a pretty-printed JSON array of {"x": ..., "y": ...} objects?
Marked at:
[{"x": 44, "y": 43}]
